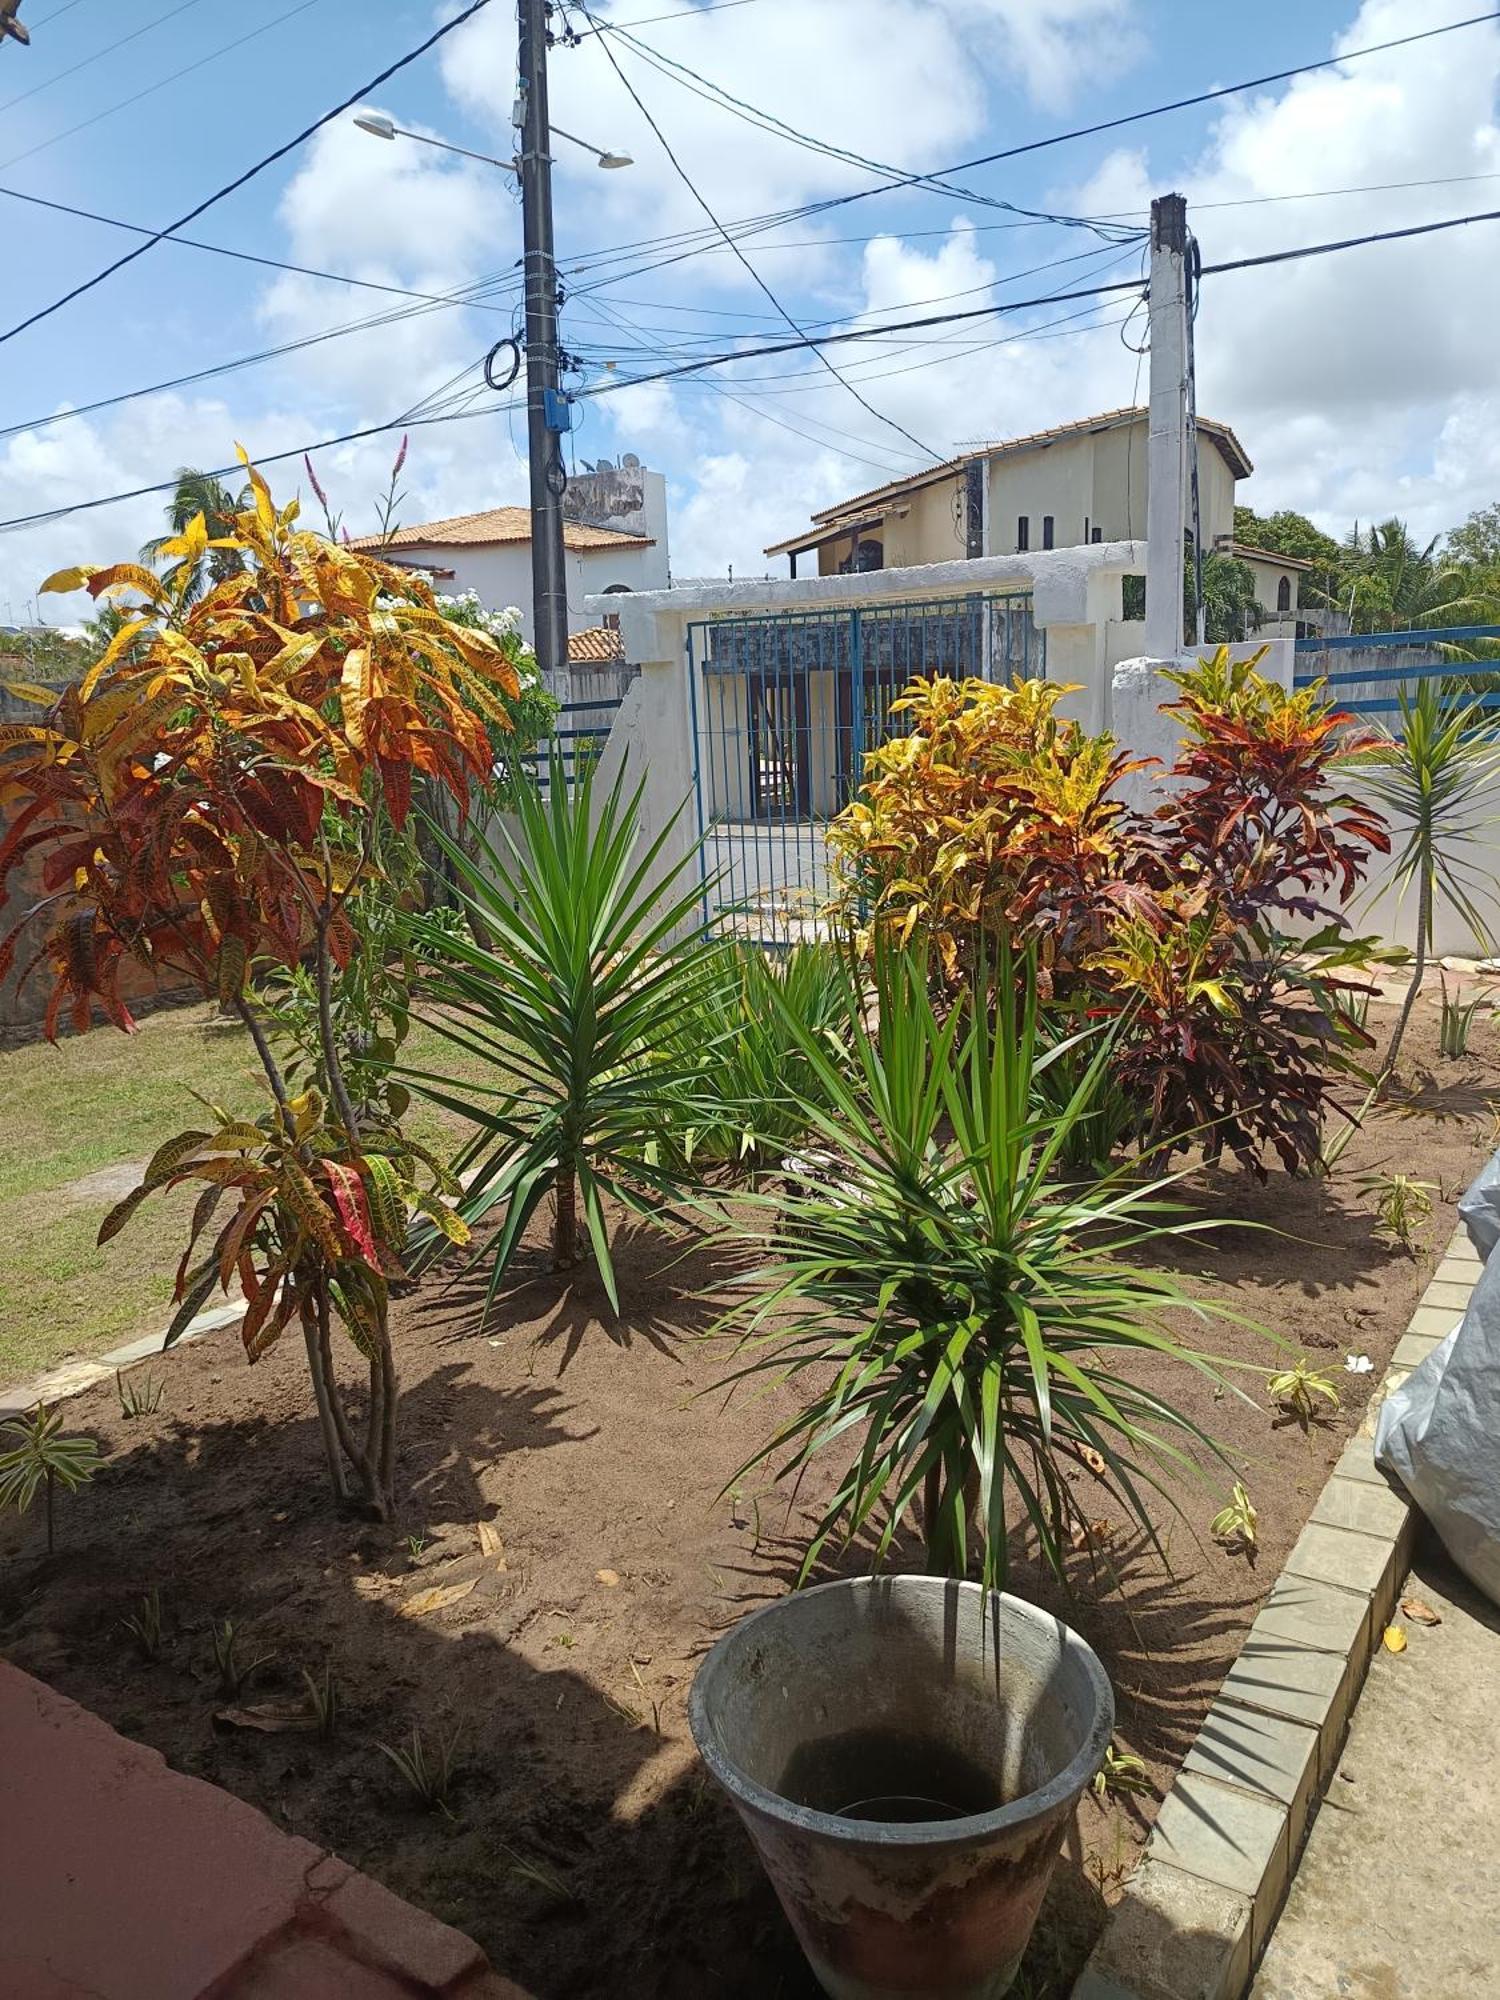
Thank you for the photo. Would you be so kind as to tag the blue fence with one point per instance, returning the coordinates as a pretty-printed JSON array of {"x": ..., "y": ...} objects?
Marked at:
[
  {"x": 1366, "y": 672},
  {"x": 785, "y": 708}
]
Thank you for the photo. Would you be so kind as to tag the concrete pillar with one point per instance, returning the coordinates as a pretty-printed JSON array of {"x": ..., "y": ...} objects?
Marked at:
[{"x": 1166, "y": 446}]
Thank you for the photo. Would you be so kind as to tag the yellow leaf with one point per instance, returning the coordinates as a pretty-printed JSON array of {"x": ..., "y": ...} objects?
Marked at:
[
  {"x": 1393, "y": 1639},
  {"x": 437, "y": 1599},
  {"x": 69, "y": 579},
  {"x": 32, "y": 691},
  {"x": 489, "y": 1541}
]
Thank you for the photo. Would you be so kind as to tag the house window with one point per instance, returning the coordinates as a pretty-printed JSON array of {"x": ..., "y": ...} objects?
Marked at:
[
  {"x": 1046, "y": 531},
  {"x": 1097, "y": 536},
  {"x": 1284, "y": 594},
  {"x": 1023, "y": 534},
  {"x": 864, "y": 556}
]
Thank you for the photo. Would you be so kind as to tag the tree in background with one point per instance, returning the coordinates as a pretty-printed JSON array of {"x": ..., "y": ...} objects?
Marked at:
[
  {"x": 201, "y": 493},
  {"x": 1286, "y": 533},
  {"x": 1231, "y": 610},
  {"x": 1477, "y": 542}
]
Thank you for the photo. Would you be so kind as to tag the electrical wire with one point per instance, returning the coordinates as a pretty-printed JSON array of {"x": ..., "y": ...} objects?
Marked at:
[
  {"x": 223, "y": 250},
  {"x": 1349, "y": 243},
  {"x": 771, "y": 297},
  {"x": 85, "y": 62},
  {"x": 130, "y": 103},
  {"x": 239, "y": 181},
  {"x": 766, "y": 121}
]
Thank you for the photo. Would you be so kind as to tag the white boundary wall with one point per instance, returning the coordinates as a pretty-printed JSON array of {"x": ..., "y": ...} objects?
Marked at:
[{"x": 1075, "y": 597}]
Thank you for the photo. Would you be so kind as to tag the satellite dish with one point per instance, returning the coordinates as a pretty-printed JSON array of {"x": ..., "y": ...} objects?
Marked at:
[{"x": 630, "y": 463}]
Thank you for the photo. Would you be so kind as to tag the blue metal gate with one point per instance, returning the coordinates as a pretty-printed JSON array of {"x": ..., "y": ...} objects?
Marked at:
[
  {"x": 1366, "y": 672},
  {"x": 785, "y": 707}
]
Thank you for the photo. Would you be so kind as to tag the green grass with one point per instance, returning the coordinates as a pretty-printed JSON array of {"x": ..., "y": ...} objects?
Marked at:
[{"x": 102, "y": 1100}]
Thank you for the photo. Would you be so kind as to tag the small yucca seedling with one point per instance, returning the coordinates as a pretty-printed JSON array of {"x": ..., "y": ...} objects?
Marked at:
[
  {"x": 233, "y": 1673},
  {"x": 1120, "y": 1772},
  {"x": 41, "y": 1459},
  {"x": 1301, "y": 1390},
  {"x": 428, "y": 1773},
  {"x": 1456, "y": 1023},
  {"x": 147, "y": 1626},
  {"x": 1403, "y": 1207},
  {"x": 1236, "y": 1525},
  {"x": 323, "y": 1699},
  {"x": 140, "y": 1396}
]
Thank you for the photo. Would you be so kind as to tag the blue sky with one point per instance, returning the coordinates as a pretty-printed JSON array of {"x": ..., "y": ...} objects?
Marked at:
[{"x": 1359, "y": 384}]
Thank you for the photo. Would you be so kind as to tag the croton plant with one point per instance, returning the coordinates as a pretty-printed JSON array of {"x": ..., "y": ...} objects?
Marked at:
[{"x": 208, "y": 800}]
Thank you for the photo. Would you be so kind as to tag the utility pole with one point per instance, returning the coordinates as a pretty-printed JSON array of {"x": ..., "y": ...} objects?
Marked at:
[
  {"x": 546, "y": 409},
  {"x": 1166, "y": 445}
]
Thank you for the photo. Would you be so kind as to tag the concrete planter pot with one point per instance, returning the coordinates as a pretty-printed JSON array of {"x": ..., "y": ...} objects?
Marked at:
[{"x": 905, "y": 1753}]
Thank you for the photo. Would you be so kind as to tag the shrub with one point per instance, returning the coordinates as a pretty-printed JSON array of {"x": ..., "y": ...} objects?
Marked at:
[
  {"x": 580, "y": 984},
  {"x": 962, "y": 1321},
  {"x": 212, "y": 794},
  {"x": 41, "y": 1459}
]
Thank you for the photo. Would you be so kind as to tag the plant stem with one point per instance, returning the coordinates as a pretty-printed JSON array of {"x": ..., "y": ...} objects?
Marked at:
[
  {"x": 314, "y": 1323},
  {"x": 263, "y": 1049},
  {"x": 1424, "y": 926},
  {"x": 338, "y": 1089},
  {"x": 49, "y": 1509},
  {"x": 565, "y": 1220}
]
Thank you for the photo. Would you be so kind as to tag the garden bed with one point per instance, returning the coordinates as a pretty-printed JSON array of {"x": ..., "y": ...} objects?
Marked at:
[{"x": 559, "y": 1477}]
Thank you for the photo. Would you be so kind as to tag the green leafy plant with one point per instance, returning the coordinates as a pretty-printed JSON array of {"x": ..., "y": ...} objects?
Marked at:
[
  {"x": 581, "y": 983},
  {"x": 140, "y": 1395},
  {"x": 1437, "y": 780},
  {"x": 1301, "y": 1391},
  {"x": 954, "y": 1311},
  {"x": 1121, "y": 1772},
  {"x": 1238, "y": 1524},
  {"x": 428, "y": 1772},
  {"x": 41, "y": 1459},
  {"x": 323, "y": 1698},
  {"x": 147, "y": 1625},
  {"x": 1456, "y": 1023},
  {"x": 233, "y": 1673},
  {"x": 746, "y": 1090},
  {"x": 1403, "y": 1206}
]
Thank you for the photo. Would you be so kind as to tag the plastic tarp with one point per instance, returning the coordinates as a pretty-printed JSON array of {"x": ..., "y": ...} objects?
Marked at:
[{"x": 1439, "y": 1433}]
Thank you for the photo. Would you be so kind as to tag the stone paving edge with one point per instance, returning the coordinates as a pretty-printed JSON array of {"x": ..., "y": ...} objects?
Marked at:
[{"x": 1199, "y": 1909}]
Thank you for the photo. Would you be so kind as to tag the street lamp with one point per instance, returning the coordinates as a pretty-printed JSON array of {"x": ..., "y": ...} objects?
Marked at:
[{"x": 381, "y": 127}]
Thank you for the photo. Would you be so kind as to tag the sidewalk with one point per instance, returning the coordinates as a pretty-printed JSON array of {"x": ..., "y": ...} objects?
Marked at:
[
  {"x": 1397, "y": 1896},
  {"x": 124, "y": 1880}
]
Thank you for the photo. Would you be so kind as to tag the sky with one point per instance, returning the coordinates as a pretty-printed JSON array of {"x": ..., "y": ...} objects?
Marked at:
[{"x": 1362, "y": 385}]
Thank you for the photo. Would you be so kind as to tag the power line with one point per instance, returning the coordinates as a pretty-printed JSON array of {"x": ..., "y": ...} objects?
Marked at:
[
  {"x": 692, "y": 189},
  {"x": 129, "y": 103},
  {"x": 1349, "y": 243},
  {"x": 250, "y": 173},
  {"x": 681, "y": 14},
  {"x": 98, "y": 56},
  {"x": 222, "y": 250}
]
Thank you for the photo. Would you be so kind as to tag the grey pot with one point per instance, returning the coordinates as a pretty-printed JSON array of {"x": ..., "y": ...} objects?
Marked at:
[{"x": 905, "y": 1753}]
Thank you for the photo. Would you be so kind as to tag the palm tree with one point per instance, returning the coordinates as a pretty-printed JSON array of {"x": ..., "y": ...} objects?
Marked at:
[
  {"x": 1388, "y": 583},
  {"x": 202, "y": 493}
]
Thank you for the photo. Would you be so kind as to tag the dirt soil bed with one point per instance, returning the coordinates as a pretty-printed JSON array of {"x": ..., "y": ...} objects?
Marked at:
[{"x": 569, "y": 1563}]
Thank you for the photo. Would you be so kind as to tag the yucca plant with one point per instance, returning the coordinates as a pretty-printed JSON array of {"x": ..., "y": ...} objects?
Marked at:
[
  {"x": 1437, "y": 780},
  {"x": 41, "y": 1459},
  {"x": 961, "y": 1316},
  {"x": 579, "y": 981},
  {"x": 750, "y": 1091},
  {"x": 1456, "y": 1023}
]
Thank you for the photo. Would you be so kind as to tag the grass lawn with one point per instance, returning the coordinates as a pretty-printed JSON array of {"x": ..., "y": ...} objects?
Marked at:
[{"x": 105, "y": 1100}]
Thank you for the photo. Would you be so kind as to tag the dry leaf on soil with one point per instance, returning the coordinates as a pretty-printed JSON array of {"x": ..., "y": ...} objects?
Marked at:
[
  {"x": 489, "y": 1541},
  {"x": 271, "y": 1718},
  {"x": 1420, "y": 1613},
  {"x": 608, "y": 1577},
  {"x": 436, "y": 1599},
  {"x": 1394, "y": 1639}
]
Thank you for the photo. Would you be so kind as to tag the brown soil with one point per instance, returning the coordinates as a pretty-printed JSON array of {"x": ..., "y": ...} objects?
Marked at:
[{"x": 582, "y": 1845}]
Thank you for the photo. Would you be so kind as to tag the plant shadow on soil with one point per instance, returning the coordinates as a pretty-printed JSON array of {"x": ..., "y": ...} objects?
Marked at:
[{"x": 587, "y": 1850}]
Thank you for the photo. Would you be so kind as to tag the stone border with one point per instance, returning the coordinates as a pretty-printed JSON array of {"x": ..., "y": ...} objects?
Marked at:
[
  {"x": 1200, "y": 1907},
  {"x": 76, "y": 1376}
]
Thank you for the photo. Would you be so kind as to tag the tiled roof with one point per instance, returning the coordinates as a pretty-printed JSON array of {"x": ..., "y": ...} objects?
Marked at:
[
  {"x": 596, "y": 646},
  {"x": 493, "y": 526},
  {"x": 1249, "y": 554},
  {"x": 834, "y": 519}
]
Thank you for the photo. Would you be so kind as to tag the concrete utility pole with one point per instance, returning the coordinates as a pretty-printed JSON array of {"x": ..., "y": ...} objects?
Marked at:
[
  {"x": 546, "y": 412},
  {"x": 1166, "y": 446}
]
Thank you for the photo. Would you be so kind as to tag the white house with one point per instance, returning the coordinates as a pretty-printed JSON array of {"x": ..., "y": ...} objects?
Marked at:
[
  {"x": 1076, "y": 484},
  {"x": 614, "y": 540}
]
